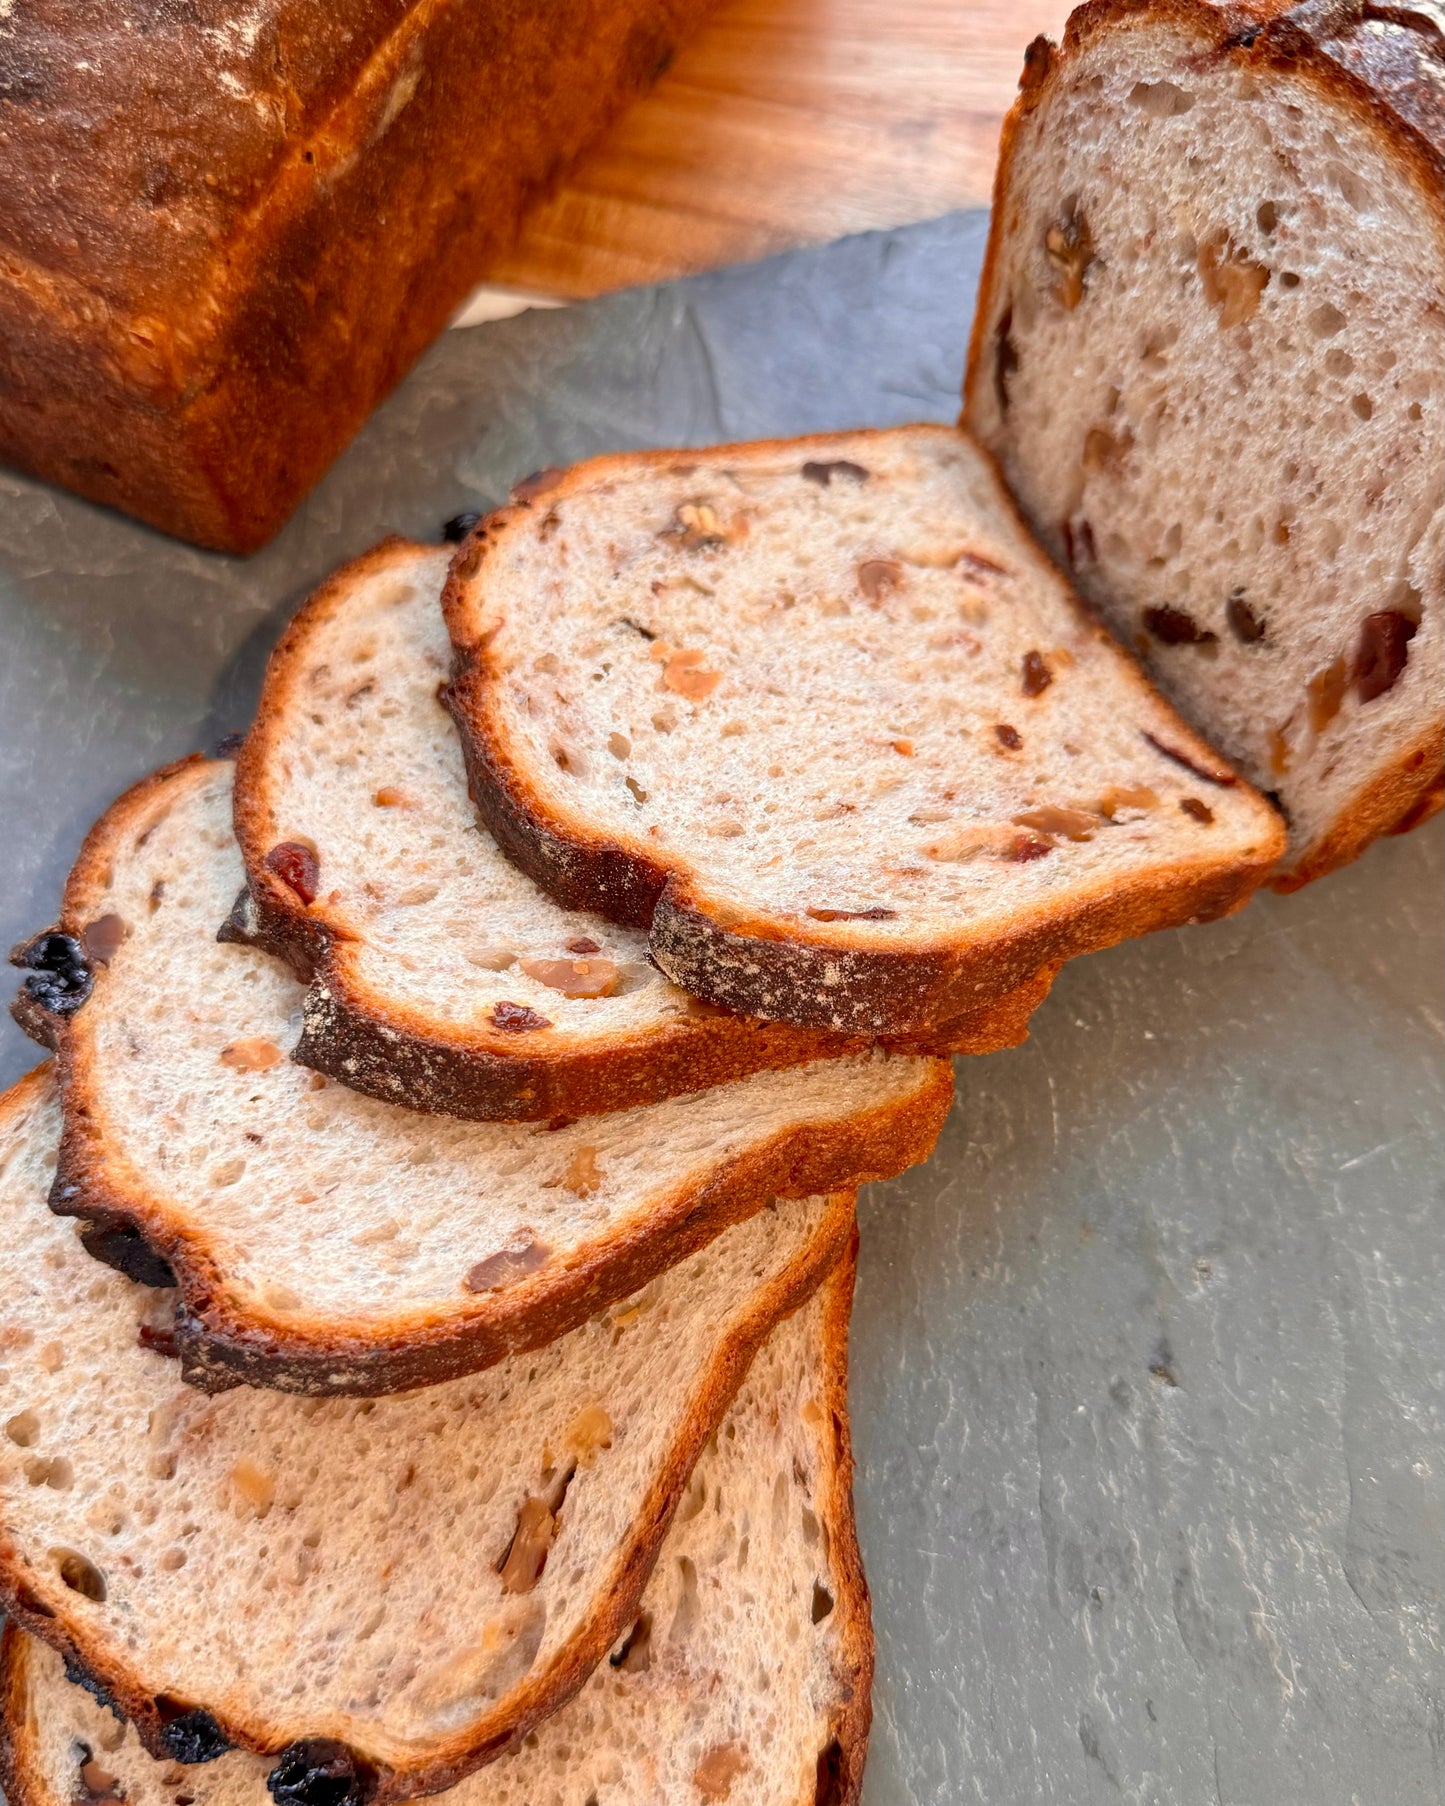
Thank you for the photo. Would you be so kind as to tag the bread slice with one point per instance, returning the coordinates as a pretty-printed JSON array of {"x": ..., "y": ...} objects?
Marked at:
[
  {"x": 1210, "y": 355},
  {"x": 745, "y": 1676},
  {"x": 420, "y": 940},
  {"x": 394, "y": 1590},
  {"x": 820, "y": 716},
  {"x": 192, "y": 1144}
]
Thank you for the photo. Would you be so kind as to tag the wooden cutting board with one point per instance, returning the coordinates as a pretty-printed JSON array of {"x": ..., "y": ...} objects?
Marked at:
[{"x": 782, "y": 123}]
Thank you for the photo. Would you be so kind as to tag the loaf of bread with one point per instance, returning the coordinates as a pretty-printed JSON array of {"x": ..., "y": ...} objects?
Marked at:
[
  {"x": 1209, "y": 353},
  {"x": 407, "y": 1584},
  {"x": 744, "y": 1676},
  {"x": 227, "y": 231},
  {"x": 189, "y": 1136},
  {"x": 819, "y": 715}
]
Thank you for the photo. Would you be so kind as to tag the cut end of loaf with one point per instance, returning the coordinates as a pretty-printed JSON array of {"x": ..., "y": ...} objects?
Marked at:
[{"x": 1210, "y": 355}]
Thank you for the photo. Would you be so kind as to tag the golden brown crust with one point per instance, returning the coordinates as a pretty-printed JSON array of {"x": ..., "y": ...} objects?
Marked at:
[
  {"x": 223, "y": 1343},
  {"x": 40, "y": 1604},
  {"x": 1385, "y": 63},
  {"x": 841, "y": 1760},
  {"x": 1395, "y": 801},
  {"x": 21, "y": 1781},
  {"x": 372, "y": 1043},
  {"x": 223, "y": 243},
  {"x": 818, "y": 976},
  {"x": 844, "y": 1772}
]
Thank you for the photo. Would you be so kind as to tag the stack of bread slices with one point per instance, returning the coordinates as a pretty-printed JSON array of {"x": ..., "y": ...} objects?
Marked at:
[{"x": 427, "y": 1257}]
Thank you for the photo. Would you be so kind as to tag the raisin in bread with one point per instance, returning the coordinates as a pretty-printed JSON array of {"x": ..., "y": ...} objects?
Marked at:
[
  {"x": 197, "y": 1151},
  {"x": 440, "y": 976},
  {"x": 398, "y": 1589},
  {"x": 745, "y": 1675},
  {"x": 1210, "y": 355},
  {"x": 821, "y": 716}
]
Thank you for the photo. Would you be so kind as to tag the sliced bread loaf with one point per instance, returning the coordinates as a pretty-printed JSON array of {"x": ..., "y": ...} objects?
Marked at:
[
  {"x": 325, "y": 1242},
  {"x": 440, "y": 976},
  {"x": 381, "y": 1594},
  {"x": 1210, "y": 355},
  {"x": 744, "y": 1677},
  {"x": 821, "y": 717}
]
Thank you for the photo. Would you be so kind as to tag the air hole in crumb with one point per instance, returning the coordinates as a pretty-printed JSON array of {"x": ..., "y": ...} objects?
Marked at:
[
  {"x": 1327, "y": 320},
  {"x": 1161, "y": 100},
  {"x": 1288, "y": 279},
  {"x": 1266, "y": 216},
  {"x": 634, "y": 1653},
  {"x": 80, "y": 1575},
  {"x": 1339, "y": 363},
  {"x": 23, "y": 1429},
  {"x": 822, "y": 1602},
  {"x": 1363, "y": 406}
]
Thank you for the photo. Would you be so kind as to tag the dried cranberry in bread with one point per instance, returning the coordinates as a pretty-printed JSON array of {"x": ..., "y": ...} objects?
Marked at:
[
  {"x": 745, "y": 1674},
  {"x": 325, "y": 1242},
  {"x": 392, "y": 1592},
  {"x": 821, "y": 717},
  {"x": 1209, "y": 353},
  {"x": 440, "y": 976}
]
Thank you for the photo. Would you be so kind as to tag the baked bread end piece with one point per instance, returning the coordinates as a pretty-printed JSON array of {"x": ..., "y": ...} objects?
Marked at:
[{"x": 1209, "y": 351}]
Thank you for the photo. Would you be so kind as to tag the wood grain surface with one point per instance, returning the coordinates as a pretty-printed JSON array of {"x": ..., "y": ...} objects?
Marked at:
[{"x": 787, "y": 122}]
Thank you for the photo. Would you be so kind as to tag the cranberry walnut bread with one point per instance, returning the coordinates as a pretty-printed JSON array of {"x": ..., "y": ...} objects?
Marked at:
[
  {"x": 325, "y": 1242},
  {"x": 1209, "y": 353},
  {"x": 440, "y": 976},
  {"x": 396, "y": 1590},
  {"x": 820, "y": 717},
  {"x": 228, "y": 231},
  {"x": 745, "y": 1674}
]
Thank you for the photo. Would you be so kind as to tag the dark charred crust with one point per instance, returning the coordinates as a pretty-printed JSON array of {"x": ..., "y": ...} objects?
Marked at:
[
  {"x": 320, "y": 1771},
  {"x": 80, "y": 1676},
  {"x": 370, "y": 1052},
  {"x": 261, "y": 920},
  {"x": 127, "y": 1250},
  {"x": 190, "y": 1734},
  {"x": 59, "y": 974},
  {"x": 879, "y": 992}
]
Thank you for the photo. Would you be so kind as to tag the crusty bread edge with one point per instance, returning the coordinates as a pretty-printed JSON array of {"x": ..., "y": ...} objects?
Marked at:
[
  {"x": 1396, "y": 800},
  {"x": 503, "y": 1726},
  {"x": 1400, "y": 797},
  {"x": 402, "y": 1055},
  {"x": 819, "y": 976},
  {"x": 22, "y": 1780},
  {"x": 854, "y": 1718},
  {"x": 222, "y": 1345},
  {"x": 21, "y": 1775}
]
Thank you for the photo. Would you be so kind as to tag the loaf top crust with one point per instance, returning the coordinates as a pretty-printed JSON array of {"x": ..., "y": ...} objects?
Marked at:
[
  {"x": 1391, "y": 56},
  {"x": 162, "y": 125}
]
